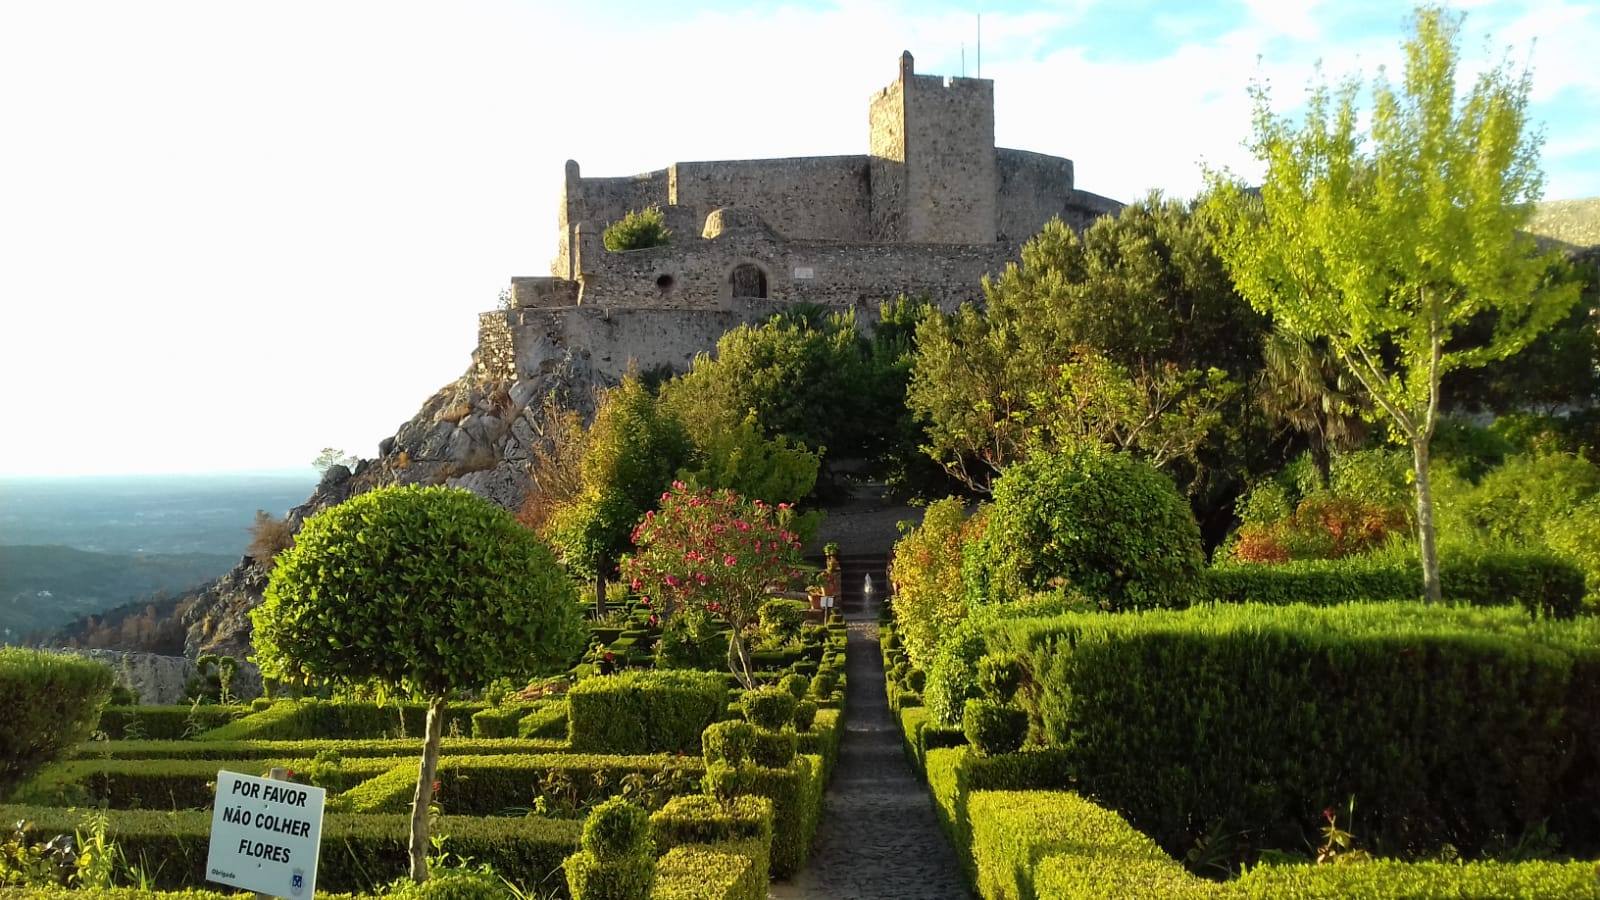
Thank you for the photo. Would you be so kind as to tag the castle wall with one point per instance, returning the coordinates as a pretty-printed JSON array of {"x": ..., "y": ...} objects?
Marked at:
[
  {"x": 887, "y": 161},
  {"x": 1033, "y": 188},
  {"x": 950, "y": 160},
  {"x": 817, "y": 197},
  {"x": 605, "y": 200},
  {"x": 697, "y": 274}
]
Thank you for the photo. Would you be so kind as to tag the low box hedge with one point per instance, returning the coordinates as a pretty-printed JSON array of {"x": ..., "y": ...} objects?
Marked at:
[
  {"x": 822, "y": 740},
  {"x": 709, "y": 872},
  {"x": 1393, "y": 880},
  {"x": 955, "y": 773},
  {"x": 1447, "y": 724},
  {"x": 547, "y": 722},
  {"x": 644, "y": 711},
  {"x": 700, "y": 819},
  {"x": 408, "y": 747},
  {"x": 166, "y": 722},
  {"x": 359, "y": 852},
  {"x": 499, "y": 721},
  {"x": 293, "y": 720},
  {"x": 486, "y": 785},
  {"x": 1541, "y": 583},
  {"x": 796, "y": 795},
  {"x": 171, "y": 783}
]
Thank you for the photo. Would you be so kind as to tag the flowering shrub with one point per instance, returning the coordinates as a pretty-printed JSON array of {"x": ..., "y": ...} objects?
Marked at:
[
  {"x": 717, "y": 552},
  {"x": 1324, "y": 526}
]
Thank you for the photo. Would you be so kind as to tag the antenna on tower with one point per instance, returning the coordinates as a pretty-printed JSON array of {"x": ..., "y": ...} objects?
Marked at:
[
  {"x": 963, "y": 59},
  {"x": 980, "y": 42}
]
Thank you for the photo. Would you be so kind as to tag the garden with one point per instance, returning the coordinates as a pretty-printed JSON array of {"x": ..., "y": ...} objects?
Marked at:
[{"x": 1258, "y": 556}]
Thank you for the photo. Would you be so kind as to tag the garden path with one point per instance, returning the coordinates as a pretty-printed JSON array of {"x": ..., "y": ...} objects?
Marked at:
[{"x": 879, "y": 838}]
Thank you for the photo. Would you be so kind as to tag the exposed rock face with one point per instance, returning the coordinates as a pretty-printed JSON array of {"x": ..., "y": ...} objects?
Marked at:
[
  {"x": 475, "y": 433},
  {"x": 162, "y": 680}
]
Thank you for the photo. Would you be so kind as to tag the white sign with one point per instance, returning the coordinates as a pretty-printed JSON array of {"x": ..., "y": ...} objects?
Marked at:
[
  {"x": 265, "y": 834},
  {"x": 804, "y": 272}
]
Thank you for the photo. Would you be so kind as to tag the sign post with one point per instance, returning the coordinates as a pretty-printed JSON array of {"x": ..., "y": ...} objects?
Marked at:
[{"x": 264, "y": 835}]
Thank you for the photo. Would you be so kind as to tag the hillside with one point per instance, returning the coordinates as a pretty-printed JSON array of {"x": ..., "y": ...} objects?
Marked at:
[{"x": 43, "y": 587}]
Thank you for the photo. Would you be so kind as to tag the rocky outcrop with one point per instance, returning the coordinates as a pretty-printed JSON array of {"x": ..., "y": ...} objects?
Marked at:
[
  {"x": 164, "y": 680},
  {"x": 475, "y": 433}
]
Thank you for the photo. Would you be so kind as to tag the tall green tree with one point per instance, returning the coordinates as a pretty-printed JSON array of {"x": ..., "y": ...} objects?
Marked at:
[
  {"x": 635, "y": 448},
  {"x": 1130, "y": 336},
  {"x": 1386, "y": 245}
]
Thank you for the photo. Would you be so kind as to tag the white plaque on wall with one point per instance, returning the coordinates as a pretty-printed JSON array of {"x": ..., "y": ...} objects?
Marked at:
[{"x": 804, "y": 272}]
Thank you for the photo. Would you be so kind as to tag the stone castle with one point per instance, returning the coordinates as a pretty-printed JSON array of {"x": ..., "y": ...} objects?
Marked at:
[{"x": 929, "y": 210}]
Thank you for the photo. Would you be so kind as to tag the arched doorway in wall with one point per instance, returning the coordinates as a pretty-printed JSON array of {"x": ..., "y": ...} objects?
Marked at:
[{"x": 748, "y": 282}]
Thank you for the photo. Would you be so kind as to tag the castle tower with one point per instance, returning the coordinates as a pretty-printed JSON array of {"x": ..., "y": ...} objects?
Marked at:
[{"x": 932, "y": 165}]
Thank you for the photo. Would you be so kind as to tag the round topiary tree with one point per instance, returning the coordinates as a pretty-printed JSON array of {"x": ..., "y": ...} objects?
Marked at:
[
  {"x": 424, "y": 590},
  {"x": 1105, "y": 523}
]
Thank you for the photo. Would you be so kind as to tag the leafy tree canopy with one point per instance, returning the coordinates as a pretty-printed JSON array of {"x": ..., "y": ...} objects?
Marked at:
[{"x": 638, "y": 230}]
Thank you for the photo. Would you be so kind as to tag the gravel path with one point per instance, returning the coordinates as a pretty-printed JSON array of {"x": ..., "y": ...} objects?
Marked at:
[{"x": 878, "y": 839}]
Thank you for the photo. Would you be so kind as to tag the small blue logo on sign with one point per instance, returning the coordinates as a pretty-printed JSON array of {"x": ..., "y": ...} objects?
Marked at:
[{"x": 297, "y": 883}]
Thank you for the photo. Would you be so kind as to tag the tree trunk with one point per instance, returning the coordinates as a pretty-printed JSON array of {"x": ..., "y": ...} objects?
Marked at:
[
  {"x": 1426, "y": 538},
  {"x": 739, "y": 660},
  {"x": 424, "y": 795},
  {"x": 601, "y": 567}
]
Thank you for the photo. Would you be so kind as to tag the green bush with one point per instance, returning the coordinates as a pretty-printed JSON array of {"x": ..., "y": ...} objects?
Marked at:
[
  {"x": 637, "y": 230},
  {"x": 796, "y": 685},
  {"x": 644, "y": 712},
  {"x": 486, "y": 785},
  {"x": 781, "y": 620},
  {"x": 1513, "y": 503},
  {"x": 769, "y": 708},
  {"x": 1538, "y": 581},
  {"x": 1449, "y": 725},
  {"x": 1013, "y": 832},
  {"x": 916, "y": 680},
  {"x": 499, "y": 721},
  {"x": 616, "y": 829},
  {"x": 993, "y": 728},
  {"x": 953, "y": 678},
  {"x": 822, "y": 686},
  {"x": 774, "y": 749},
  {"x": 702, "y": 819},
  {"x": 168, "y": 783},
  {"x": 451, "y": 884},
  {"x": 1394, "y": 880},
  {"x": 796, "y": 795},
  {"x": 730, "y": 741},
  {"x": 52, "y": 703},
  {"x": 359, "y": 852},
  {"x": 241, "y": 750},
  {"x": 295, "y": 720},
  {"x": 805, "y": 713},
  {"x": 546, "y": 722},
  {"x": 716, "y": 872},
  {"x": 1109, "y": 525},
  {"x": 999, "y": 677},
  {"x": 628, "y": 878}
]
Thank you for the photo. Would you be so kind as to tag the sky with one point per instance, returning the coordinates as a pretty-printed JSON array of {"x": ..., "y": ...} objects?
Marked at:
[{"x": 232, "y": 234}]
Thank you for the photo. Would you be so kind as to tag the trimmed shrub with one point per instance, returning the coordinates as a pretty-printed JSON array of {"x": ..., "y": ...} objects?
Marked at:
[
  {"x": 717, "y": 872},
  {"x": 167, "y": 722},
  {"x": 616, "y": 829},
  {"x": 617, "y": 859},
  {"x": 295, "y": 720},
  {"x": 999, "y": 677},
  {"x": 638, "y": 229},
  {"x": 547, "y": 722},
  {"x": 702, "y": 819},
  {"x": 52, "y": 703},
  {"x": 644, "y": 712},
  {"x": 1394, "y": 880},
  {"x": 1540, "y": 582},
  {"x": 993, "y": 728},
  {"x": 796, "y": 685},
  {"x": 769, "y": 708},
  {"x": 359, "y": 852},
  {"x": 822, "y": 686},
  {"x": 805, "y": 713},
  {"x": 486, "y": 785},
  {"x": 1109, "y": 525},
  {"x": 499, "y": 721},
  {"x": 953, "y": 679},
  {"x": 796, "y": 795},
  {"x": 1014, "y": 831},
  {"x": 730, "y": 742},
  {"x": 451, "y": 884},
  {"x": 1450, "y": 725},
  {"x": 239, "y": 750},
  {"x": 774, "y": 749},
  {"x": 916, "y": 680},
  {"x": 781, "y": 620}
]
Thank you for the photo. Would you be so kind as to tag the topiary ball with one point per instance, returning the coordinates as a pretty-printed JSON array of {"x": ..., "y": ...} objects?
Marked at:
[
  {"x": 617, "y": 829},
  {"x": 805, "y": 714},
  {"x": 822, "y": 686},
  {"x": 999, "y": 677},
  {"x": 774, "y": 749},
  {"x": 915, "y": 679},
  {"x": 992, "y": 728},
  {"x": 627, "y": 878},
  {"x": 795, "y": 684},
  {"x": 769, "y": 708},
  {"x": 1106, "y": 523},
  {"x": 729, "y": 742}
]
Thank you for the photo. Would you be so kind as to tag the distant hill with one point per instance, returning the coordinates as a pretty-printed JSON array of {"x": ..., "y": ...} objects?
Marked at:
[{"x": 43, "y": 587}]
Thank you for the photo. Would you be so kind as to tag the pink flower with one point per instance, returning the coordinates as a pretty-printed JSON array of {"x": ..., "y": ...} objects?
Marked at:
[
  {"x": 730, "y": 560},
  {"x": 644, "y": 602},
  {"x": 634, "y": 584},
  {"x": 678, "y": 485}
]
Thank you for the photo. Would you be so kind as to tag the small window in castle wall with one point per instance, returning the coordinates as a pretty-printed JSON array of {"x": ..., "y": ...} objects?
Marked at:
[
  {"x": 664, "y": 283},
  {"x": 748, "y": 282}
]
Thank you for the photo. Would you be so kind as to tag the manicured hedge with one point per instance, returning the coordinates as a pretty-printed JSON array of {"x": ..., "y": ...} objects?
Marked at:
[
  {"x": 701, "y": 819},
  {"x": 1012, "y": 831},
  {"x": 50, "y": 703},
  {"x": 644, "y": 711},
  {"x": 1391, "y": 880},
  {"x": 796, "y": 795},
  {"x": 1539, "y": 582},
  {"x": 1447, "y": 724},
  {"x": 822, "y": 740},
  {"x": 499, "y": 721},
  {"x": 955, "y": 773},
  {"x": 709, "y": 872},
  {"x": 485, "y": 785},
  {"x": 293, "y": 720},
  {"x": 359, "y": 853},
  {"x": 407, "y": 747},
  {"x": 169, "y": 783},
  {"x": 166, "y": 723},
  {"x": 547, "y": 722}
]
